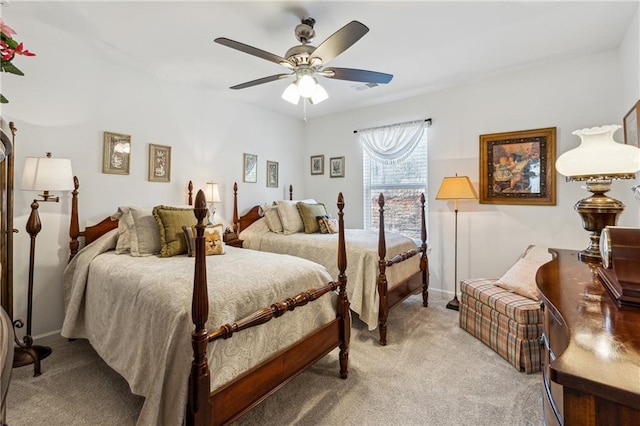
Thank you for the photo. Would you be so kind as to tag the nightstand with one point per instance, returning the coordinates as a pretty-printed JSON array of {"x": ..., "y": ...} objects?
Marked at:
[{"x": 231, "y": 239}]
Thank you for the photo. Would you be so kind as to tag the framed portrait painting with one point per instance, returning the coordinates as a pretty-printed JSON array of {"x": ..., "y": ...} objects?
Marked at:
[
  {"x": 159, "y": 163},
  {"x": 317, "y": 164},
  {"x": 116, "y": 153},
  {"x": 631, "y": 125},
  {"x": 250, "y": 168},
  {"x": 336, "y": 165},
  {"x": 518, "y": 167},
  {"x": 272, "y": 174}
]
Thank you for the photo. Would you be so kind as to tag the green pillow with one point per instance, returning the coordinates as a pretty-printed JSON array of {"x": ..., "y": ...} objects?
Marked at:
[
  {"x": 308, "y": 213},
  {"x": 170, "y": 221}
]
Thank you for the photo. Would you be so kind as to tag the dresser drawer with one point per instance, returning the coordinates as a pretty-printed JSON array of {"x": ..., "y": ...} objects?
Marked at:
[{"x": 555, "y": 332}]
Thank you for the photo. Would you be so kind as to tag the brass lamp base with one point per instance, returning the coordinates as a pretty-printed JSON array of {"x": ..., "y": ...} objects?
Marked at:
[{"x": 597, "y": 211}]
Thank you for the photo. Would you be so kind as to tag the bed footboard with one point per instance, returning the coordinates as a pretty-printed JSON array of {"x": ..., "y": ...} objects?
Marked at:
[{"x": 237, "y": 397}]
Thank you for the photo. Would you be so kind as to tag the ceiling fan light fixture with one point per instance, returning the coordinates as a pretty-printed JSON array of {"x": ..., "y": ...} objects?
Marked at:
[
  {"x": 291, "y": 94},
  {"x": 319, "y": 94},
  {"x": 306, "y": 85}
]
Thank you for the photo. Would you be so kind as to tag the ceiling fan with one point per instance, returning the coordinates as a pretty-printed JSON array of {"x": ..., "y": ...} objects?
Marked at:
[{"x": 305, "y": 61}]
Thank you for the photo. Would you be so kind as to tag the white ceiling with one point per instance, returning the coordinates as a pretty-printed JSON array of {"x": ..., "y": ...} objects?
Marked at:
[{"x": 426, "y": 45}]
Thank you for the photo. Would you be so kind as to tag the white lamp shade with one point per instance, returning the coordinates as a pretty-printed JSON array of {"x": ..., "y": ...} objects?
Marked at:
[
  {"x": 307, "y": 85},
  {"x": 212, "y": 194},
  {"x": 47, "y": 174},
  {"x": 291, "y": 94},
  {"x": 599, "y": 155},
  {"x": 456, "y": 188},
  {"x": 319, "y": 94}
]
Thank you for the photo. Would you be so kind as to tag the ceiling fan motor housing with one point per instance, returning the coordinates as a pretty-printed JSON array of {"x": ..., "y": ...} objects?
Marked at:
[{"x": 305, "y": 32}]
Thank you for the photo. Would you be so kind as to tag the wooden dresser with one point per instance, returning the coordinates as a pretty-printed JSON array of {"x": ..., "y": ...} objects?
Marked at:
[{"x": 591, "y": 347}]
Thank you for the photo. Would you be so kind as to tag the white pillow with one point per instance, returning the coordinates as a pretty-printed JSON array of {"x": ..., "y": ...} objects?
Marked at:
[
  {"x": 273, "y": 219},
  {"x": 290, "y": 216},
  {"x": 521, "y": 278},
  {"x": 144, "y": 234},
  {"x": 538, "y": 254},
  {"x": 123, "y": 244}
]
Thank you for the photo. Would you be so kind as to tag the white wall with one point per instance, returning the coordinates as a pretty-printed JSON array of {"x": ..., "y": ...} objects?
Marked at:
[
  {"x": 65, "y": 102},
  {"x": 630, "y": 63},
  {"x": 569, "y": 95}
]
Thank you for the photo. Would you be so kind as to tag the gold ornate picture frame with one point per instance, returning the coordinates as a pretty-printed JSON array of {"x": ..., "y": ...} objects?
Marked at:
[
  {"x": 116, "y": 154},
  {"x": 631, "y": 126},
  {"x": 159, "y": 163},
  {"x": 272, "y": 174},
  {"x": 336, "y": 167},
  {"x": 518, "y": 167},
  {"x": 317, "y": 164}
]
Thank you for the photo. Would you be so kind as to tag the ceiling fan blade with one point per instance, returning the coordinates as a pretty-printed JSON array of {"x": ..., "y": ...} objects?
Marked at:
[
  {"x": 254, "y": 51},
  {"x": 340, "y": 41},
  {"x": 260, "y": 81},
  {"x": 356, "y": 75}
]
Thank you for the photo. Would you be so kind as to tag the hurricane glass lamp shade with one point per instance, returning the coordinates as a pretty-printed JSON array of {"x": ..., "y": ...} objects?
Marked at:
[
  {"x": 212, "y": 194},
  {"x": 47, "y": 174},
  {"x": 291, "y": 94},
  {"x": 598, "y": 160},
  {"x": 456, "y": 188}
]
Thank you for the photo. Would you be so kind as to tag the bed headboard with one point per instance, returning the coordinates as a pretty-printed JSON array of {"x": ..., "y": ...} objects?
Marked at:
[{"x": 255, "y": 213}]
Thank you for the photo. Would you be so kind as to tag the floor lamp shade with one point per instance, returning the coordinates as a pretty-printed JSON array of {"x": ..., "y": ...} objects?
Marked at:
[
  {"x": 456, "y": 188},
  {"x": 47, "y": 174}
]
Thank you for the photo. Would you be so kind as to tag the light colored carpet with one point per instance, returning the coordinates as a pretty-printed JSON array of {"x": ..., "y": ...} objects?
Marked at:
[{"x": 430, "y": 373}]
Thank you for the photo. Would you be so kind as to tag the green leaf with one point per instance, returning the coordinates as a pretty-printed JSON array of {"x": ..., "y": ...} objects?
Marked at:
[
  {"x": 7, "y": 66},
  {"x": 3, "y": 100}
]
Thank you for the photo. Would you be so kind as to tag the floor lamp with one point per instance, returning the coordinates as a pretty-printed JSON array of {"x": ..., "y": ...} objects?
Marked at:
[
  {"x": 54, "y": 174},
  {"x": 456, "y": 188}
]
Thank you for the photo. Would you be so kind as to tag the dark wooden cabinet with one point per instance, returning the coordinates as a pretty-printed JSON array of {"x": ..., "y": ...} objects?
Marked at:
[{"x": 591, "y": 347}]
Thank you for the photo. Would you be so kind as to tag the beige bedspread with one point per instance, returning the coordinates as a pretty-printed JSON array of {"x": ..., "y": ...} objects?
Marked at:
[
  {"x": 136, "y": 312},
  {"x": 362, "y": 260}
]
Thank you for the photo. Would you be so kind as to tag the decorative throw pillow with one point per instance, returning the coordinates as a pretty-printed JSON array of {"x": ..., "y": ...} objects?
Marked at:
[
  {"x": 142, "y": 230},
  {"x": 309, "y": 213},
  {"x": 170, "y": 221},
  {"x": 213, "y": 242},
  {"x": 123, "y": 245},
  {"x": 327, "y": 224},
  {"x": 521, "y": 278},
  {"x": 273, "y": 219},
  {"x": 538, "y": 253},
  {"x": 290, "y": 217}
]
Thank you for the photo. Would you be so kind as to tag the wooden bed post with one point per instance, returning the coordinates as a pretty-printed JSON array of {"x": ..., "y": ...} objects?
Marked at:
[
  {"x": 343, "y": 300},
  {"x": 424, "y": 260},
  {"x": 74, "y": 227},
  {"x": 235, "y": 208},
  {"x": 190, "y": 192},
  {"x": 382, "y": 277},
  {"x": 290, "y": 192},
  {"x": 198, "y": 403}
]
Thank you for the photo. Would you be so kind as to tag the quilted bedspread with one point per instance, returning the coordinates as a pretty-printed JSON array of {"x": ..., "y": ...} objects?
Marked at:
[
  {"x": 362, "y": 260},
  {"x": 136, "y": 312}
]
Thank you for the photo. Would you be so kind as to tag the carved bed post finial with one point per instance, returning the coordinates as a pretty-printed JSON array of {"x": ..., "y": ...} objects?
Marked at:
[
  {"x": 235, "y": 208},
  {"x": 198, "y": 403},
  {"x": 424, "y": 260},
  {"x": 190, "y": 191},
  {"x": 74, "y": 226},
  {"x": 382, "y": 277},
  {"x": 343, "y": 300},
  {"x": 290, "y": 192}
]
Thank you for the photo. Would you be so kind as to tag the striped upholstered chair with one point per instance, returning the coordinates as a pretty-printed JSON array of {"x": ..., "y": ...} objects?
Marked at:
[{"x": 504, "y": 313}]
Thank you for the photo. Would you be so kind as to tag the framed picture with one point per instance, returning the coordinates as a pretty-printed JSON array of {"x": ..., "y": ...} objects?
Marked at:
[
  {"x": 159, "y": 163},
  {"x": 518, "y": 167},
  {"x": 272, "y": 174},
  {"x": 249, "y": 168},
  {"x": 317, "y": 164},
  {"x": 336, "y": 165},
  {"x": 116, "y": 153},
  {"x": 631, "y": 125}
]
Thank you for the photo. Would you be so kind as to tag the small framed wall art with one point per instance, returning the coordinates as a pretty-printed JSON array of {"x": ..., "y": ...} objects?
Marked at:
[
  {"x": 631, "y": 124},
  {"x": 250, "y": 168},
  {"x": 159, "y": 163},
  {"x": 272, "y": 174},
  {"x": 336, "y": 165},
  {"x": 116, "y": 153},
  {"x": 317, "y": 164},
  {"x": 518, "y": 167}
]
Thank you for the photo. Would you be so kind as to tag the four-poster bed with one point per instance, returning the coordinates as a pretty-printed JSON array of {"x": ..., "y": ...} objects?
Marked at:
[
  {"x": 151, "y": 320},
  {"x": 384, "y": 269}
]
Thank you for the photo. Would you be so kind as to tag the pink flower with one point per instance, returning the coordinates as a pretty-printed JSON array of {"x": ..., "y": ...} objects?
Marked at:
[
  {"x": 7, "y": 30},
  {"x": 5, "y": 51}
]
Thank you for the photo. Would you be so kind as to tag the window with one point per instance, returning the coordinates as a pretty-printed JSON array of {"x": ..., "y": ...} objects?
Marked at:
[{"x": 401, "y": 181}]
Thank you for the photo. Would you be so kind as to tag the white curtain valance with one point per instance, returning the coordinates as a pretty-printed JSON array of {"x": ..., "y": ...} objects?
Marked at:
[{"x": 394, "y": 143}]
